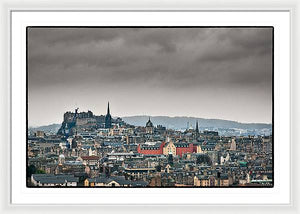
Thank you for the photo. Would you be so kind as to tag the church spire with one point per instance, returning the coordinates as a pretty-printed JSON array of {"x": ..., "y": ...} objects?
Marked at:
[
  {"x": 108, "y": 118},
  {"x": 197, "y": 127},
  {"x": 108, "y": 112}
]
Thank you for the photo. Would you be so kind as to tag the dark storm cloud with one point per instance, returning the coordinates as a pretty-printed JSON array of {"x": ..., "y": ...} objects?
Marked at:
[
  {"x": 234, "y": 44},
  {"x": 165, "y": 61}
]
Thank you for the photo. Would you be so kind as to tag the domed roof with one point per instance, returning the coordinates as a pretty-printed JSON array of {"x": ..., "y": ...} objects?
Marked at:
[{"x": 149, "y": 123}]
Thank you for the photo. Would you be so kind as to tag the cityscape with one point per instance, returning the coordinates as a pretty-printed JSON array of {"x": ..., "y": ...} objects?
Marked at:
[
  {"x": 149, "y": 107},
  {"x": 102, "y": 151}
]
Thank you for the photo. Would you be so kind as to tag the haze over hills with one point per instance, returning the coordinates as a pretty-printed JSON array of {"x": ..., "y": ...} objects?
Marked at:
[
  {"x": 47, "y": 128},
  {"x": 183, "y": 122},
  {"x": 178, "y": 123}
]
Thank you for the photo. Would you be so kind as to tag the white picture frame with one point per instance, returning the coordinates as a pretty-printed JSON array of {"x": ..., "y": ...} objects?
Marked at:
[{"x": 17, "y": 197}]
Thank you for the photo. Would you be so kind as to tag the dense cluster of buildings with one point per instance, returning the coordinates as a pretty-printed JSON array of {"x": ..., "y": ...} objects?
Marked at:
[{"x": 101, "y": 151}]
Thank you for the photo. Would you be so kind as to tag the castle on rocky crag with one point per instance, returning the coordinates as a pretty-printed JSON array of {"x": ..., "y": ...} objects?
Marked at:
[{"x": 75, "y": 121}]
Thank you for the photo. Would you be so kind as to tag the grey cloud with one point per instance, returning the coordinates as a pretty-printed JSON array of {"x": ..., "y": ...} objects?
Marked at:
[
  {"x": 233, "y": 44},
  {"x": 172, "y": 62}
]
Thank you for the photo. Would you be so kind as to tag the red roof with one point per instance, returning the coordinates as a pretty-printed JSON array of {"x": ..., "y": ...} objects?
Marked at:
[{"x": 90, "y": 157}]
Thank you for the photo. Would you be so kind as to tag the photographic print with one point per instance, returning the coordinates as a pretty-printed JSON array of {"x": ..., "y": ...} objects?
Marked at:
[{"x": 155, "y": 107}]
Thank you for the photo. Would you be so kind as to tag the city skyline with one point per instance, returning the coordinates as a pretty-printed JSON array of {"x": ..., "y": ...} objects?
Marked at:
[
  {"x": 144, "y": 115},
  {"x": 216, "y": 73},
  {"x": 98, "y": 151},
  {"x": 151, "y": 117}
]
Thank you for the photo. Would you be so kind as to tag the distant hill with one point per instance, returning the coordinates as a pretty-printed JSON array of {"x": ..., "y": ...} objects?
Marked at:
[
  {"x": 178, "y": 123},
  {"x": 181, "y": 122},
  {"x": 49, "y": 128}
]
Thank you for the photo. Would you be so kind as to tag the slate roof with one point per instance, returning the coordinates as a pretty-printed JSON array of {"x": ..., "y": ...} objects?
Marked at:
[
  {"x": 181, "y": 145},
  {"x": 106, "y": 180},
  {"x": 90, "y": 157},
  {"x": 54, "y": 179},
  {"x": 139, "y": 183}
]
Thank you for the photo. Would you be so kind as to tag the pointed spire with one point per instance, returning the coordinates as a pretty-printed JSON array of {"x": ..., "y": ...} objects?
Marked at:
[
  {"x": 197, "y": 127},
  {"x": 108, "y": 118},
  {"x": 108, "y": 112}
]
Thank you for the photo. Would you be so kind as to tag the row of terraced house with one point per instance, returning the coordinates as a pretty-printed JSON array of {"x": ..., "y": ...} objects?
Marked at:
[{"x": 171, "y": 148}]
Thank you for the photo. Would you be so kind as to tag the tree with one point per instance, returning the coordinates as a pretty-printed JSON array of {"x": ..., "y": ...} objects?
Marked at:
[
  {"x": 158, "y": 168},
  {"x": 31, "y": 170},
  {"x": 170, "y": 159},
  {"x": 203, "y": 159},
  {"x": 40, "y": 171}
]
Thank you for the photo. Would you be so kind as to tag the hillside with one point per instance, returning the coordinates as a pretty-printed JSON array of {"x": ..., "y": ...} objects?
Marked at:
[
  {"x": 178, "y": 123},
  {"x": 48, "y": 128},
  {"x": 181, "y": 122}
]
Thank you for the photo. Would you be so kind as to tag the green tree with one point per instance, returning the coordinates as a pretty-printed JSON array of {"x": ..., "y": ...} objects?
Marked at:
[
  {"x": 40, "y": 171},
  {"x": 170, "y": 159},
  {"x": 31, "y": 170},
  {"x": 158, "y": 168}
]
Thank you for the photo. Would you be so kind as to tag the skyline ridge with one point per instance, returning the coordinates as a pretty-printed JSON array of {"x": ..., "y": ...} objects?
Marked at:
[{"x": 157, "y": 116}]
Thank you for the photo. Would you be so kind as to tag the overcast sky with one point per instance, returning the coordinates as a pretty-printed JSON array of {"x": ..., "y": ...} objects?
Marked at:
[{"x": 221, "y": 73}]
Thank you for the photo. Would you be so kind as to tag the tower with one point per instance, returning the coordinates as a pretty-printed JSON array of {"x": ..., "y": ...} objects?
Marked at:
[
  {"x": 108, "y": 118},
  {"x": 149, "y": 127},
  {"x": 197, "y": 129},
  {"x": 233, "y": 145}
]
